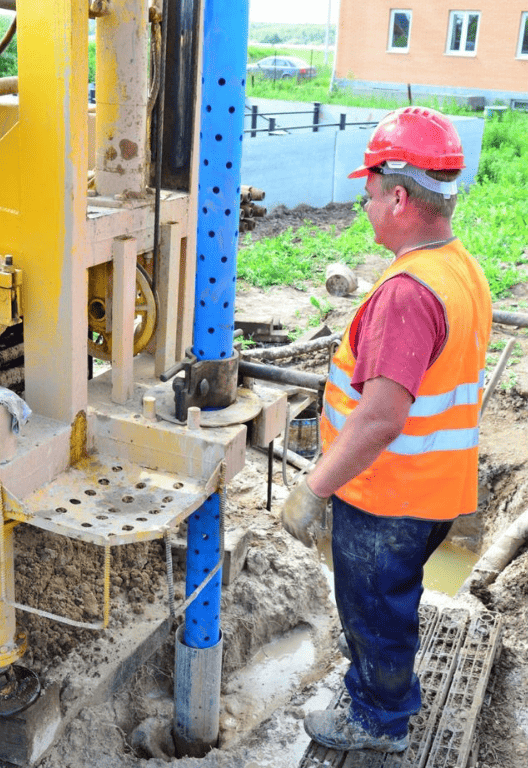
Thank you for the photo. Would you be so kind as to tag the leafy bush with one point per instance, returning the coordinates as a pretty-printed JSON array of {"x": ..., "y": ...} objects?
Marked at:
[{"x": 8, "y": 60}]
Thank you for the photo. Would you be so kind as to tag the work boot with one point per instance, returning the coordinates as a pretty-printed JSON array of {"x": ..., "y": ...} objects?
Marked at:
[
  {"x": 342, "y": 646},
  {"x": 334, "y": 730}
]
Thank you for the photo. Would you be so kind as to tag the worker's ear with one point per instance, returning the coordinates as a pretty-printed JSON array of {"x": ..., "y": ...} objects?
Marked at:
[{"x": 400, "y": 200}]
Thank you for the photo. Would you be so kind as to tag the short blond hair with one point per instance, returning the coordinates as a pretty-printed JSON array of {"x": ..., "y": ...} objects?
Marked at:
[{"x": 434, "y": 203}]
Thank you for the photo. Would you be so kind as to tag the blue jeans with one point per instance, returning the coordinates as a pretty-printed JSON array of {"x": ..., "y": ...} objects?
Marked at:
[{"x": 378, "y": 571}]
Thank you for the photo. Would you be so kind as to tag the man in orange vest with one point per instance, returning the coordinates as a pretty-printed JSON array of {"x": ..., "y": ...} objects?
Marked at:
[{"x": 399, "y": 426}]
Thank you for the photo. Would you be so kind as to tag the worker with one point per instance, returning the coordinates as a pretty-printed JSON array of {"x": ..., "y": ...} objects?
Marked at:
[{"x": 399, "y": 425}]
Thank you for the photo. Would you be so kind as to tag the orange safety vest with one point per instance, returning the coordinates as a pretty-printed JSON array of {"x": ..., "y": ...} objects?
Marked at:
[{"x": 431, "y": 470}]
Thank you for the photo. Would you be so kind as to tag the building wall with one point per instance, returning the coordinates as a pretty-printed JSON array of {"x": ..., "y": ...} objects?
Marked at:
[{"x": 363, "y": 40}]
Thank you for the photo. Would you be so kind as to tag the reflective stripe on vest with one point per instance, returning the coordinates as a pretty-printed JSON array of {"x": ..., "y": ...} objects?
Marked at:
[{"x": 426, "y": 405}]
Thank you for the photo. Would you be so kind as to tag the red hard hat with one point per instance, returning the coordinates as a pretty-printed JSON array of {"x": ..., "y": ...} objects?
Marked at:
[{"x": 422, "y": 137}]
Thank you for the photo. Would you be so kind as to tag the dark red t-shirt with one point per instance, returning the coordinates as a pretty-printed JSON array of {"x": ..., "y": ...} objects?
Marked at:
[{"x": 400, "y": 335}]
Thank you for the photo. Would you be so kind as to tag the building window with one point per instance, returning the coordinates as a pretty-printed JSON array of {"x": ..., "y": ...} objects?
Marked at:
[
  {"x": 463, "y": 33},
  {"x": 522, "y": 49},
  {"x": 399, "y": 31}
]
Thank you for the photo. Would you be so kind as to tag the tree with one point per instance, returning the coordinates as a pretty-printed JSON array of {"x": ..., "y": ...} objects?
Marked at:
[
  {"x": 272, "y": 39},
  {"x": 8, "y": 60}
]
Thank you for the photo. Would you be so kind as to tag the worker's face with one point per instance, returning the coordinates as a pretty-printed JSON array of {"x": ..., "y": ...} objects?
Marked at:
[{"x": 379, "y": 209}]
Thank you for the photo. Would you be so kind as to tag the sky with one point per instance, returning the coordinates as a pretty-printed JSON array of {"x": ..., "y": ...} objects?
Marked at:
[{"x": 293, "y": 11}]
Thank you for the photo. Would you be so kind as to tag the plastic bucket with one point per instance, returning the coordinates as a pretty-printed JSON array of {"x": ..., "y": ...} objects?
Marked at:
[{"x": 303, "y": 433}]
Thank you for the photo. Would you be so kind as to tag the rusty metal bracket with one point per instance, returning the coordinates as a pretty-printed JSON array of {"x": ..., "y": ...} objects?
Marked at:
[{"x": 205, "y": 384}]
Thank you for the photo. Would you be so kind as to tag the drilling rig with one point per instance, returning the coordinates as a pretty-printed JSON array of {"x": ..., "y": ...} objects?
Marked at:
[{"x": 119, "y": 225}]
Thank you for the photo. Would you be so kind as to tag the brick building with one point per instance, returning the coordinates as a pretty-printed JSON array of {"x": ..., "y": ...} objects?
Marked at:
[{"x": 437, "y": 47}]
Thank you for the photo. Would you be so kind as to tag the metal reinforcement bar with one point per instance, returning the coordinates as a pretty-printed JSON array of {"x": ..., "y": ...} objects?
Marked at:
[{"x": 453, "y": 665}]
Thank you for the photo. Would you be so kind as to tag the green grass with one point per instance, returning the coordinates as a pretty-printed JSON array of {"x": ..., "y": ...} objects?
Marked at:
[
  {"x": 294, "y": 258},
  {"x": 491, "y": 219},
  {"x": 317, "y": 89}
]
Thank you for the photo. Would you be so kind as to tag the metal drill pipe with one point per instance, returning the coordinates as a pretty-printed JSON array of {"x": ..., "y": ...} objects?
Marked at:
[{"x": 282, "y": 375}]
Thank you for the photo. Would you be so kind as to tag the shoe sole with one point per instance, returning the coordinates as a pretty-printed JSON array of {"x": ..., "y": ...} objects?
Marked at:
[{"x": 354, "y": 747}]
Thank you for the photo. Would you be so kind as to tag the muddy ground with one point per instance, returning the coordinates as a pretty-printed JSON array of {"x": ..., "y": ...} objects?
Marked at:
[{"x": 282, "y": 586}]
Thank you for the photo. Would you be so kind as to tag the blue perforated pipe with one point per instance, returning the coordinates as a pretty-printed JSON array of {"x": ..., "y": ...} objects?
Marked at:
[{"x": 221, "y": 133}]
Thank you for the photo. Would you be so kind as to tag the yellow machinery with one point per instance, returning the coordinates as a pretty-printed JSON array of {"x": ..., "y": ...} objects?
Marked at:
[{"x": 82, "y": 233}]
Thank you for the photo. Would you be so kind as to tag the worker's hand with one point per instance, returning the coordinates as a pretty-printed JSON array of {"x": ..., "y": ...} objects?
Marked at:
[{"x": 301, "y": 509}]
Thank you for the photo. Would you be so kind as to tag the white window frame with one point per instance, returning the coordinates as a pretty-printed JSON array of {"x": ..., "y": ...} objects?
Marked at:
[
  {"x": 463, "y": 38},
  {"x": 390, "y": 47},
  {"x": 520, "y": 54}
]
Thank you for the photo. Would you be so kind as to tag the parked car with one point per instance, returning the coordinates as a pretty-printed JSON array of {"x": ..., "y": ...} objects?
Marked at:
[{"x": 282, "y": 68}]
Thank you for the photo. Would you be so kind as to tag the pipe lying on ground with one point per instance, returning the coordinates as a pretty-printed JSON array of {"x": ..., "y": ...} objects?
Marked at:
[
  {"x": 499, "y": 555},
  {"x": 299, "y": 462},
  {"x": 497, "y": 373},
  {"x": 289, "y": 350},
  {"x": 282, "y": 375},
  {"x": 510, "y": 318}
]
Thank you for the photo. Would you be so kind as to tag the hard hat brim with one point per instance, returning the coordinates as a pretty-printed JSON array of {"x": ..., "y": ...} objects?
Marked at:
[{"x": 362, "y": 170}]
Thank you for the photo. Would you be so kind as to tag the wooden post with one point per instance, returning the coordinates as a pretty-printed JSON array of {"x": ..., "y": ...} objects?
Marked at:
[
  {"x": 168, "y": 290},
  {"x": 124, "y": 253},
  {"x": 316, "y": 116}
]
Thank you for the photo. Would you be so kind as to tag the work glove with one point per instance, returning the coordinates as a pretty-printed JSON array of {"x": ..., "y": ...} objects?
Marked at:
[{"x": 301, "y": 510}]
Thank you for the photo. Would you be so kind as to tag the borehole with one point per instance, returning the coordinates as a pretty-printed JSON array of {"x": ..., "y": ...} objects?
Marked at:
[
  {"x": 127, "y": 499},
  {"x": 103, "y": 481},
  {"x": 75, "y": 501}
]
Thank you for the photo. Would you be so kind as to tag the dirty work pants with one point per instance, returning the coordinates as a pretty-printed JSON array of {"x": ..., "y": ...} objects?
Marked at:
[{"x": 378, "y": 571}]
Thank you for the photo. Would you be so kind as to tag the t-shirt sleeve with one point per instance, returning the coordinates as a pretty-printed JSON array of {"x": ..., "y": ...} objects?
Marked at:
[{"x": 400, "y": 335}]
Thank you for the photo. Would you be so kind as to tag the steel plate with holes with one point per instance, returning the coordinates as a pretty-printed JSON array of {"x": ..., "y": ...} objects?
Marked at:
[{"x": 113, "y": 502}]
